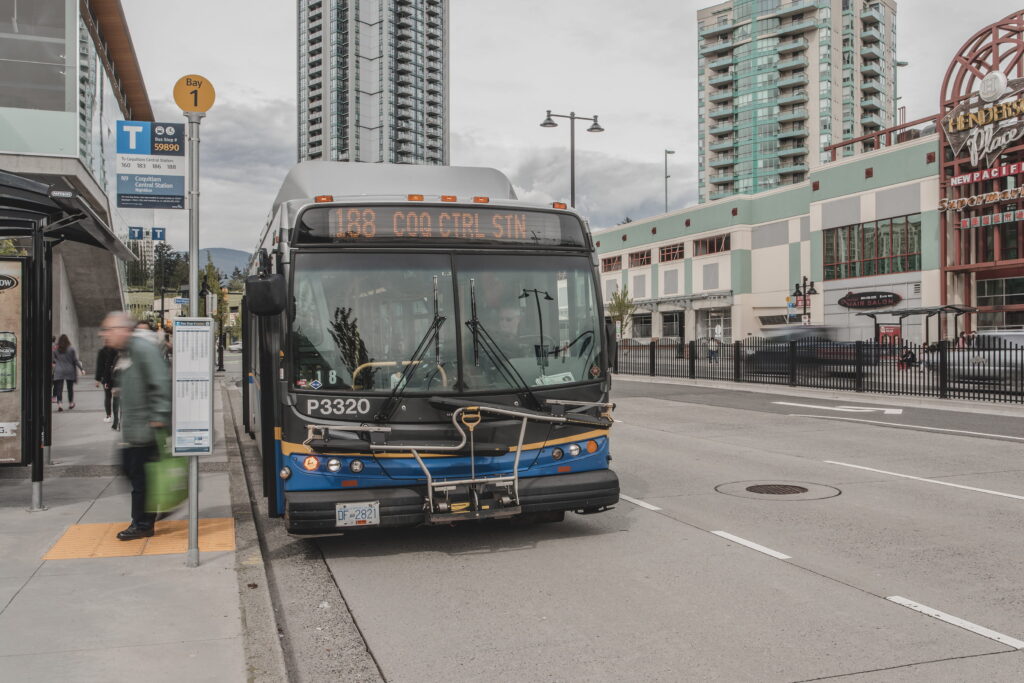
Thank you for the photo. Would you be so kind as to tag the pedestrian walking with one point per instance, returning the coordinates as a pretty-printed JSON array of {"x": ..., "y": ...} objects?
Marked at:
[
  {"x": 141, "y": 375},
  {"x": 66, "y": 367},
  {"x": 105, "y": 361},
  {"x": 713, "y": 350}
]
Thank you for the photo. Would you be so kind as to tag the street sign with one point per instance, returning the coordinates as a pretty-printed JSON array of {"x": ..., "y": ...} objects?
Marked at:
[
  {"x": 194, "y": 93},
  {"x": 159, "y": 234},
  {"x": 192, "y": 409},
  {"x": 805, "y": 319},
  {"x": 150, "y": 165},
  {"x": 136, "y": 233},
  {"x": 181, "y": 301}
]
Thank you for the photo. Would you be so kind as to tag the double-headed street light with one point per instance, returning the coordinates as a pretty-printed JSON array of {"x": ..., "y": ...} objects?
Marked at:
[
  {"x": 595, "y": 127},
  {"x": 667, "y": 152},
  {"x": 803, "y": 291}
]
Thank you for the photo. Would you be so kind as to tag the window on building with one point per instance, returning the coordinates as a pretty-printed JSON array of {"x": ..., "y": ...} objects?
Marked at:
[
  {"x": 671, "y": 324},
  {"x": 672, "y": 252},
  {"x": 640, "y": 258},
  {"x": 641, "y": 325},
  {"x": 611, "y": 263},
  {"x": 891, "y": 245},
  {"x": 711, "y": 245}
]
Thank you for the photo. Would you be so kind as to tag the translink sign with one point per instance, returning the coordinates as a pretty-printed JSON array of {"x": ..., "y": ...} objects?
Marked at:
[{"x": 150, "y": 165}]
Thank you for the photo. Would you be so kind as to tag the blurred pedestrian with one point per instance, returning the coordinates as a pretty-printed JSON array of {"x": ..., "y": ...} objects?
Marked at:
[
  {"x": 961, "y": 341},
  {"x": 713, "y": 350},
  {"x": 66, "y": 367},
  {"x": 105, "y": 360},
  {"x": 908, "y": 359},
  {"x": 146, "y": 407}
]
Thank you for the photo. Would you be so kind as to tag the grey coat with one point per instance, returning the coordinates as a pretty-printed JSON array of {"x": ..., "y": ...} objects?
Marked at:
[
  {"x": 66, "y": 365},
  {"x": 145, "y": 391}
]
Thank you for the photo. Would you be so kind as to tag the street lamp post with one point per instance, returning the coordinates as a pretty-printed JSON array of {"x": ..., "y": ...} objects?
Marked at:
[
  {"x": 803, "y": 291},
  {"x": 896, "y": 91},
  {"x": 595, "y": 127},
  {"x": 667, "y": 152}
]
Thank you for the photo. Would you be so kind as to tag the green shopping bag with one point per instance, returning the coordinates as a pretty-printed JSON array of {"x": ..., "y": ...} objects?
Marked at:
[{"x": 166, "y": 477}]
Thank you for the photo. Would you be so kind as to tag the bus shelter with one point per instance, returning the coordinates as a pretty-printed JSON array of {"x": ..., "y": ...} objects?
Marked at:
[
  {"x": 34, "y": 218},
  {"x": 929, "y": 312}
]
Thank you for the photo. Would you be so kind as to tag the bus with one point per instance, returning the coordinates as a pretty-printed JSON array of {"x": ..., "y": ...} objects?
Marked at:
[{"x": 421, "y": 347}]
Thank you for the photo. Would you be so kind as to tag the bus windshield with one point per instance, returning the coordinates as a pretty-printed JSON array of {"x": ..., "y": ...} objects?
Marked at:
[{"x": 362, "y": 320}]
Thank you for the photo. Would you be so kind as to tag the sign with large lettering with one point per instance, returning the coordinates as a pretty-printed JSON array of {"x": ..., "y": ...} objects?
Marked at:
[
  {"x": 151, "y": 165},
  {"x": 987, "y": 127},
  {"x": 11, "y": 364},
  {"x": 865, "y": 300},
  {"x": 425, "y": 223}
]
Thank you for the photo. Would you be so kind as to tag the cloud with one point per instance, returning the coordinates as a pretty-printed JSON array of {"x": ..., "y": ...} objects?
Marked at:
[{"x": 246, "y": 150}]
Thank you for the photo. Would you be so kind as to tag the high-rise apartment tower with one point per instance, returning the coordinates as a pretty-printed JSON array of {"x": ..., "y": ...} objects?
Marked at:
[
  {"x": 781, "y": 80},
  {"x": 373, "y": 80}
]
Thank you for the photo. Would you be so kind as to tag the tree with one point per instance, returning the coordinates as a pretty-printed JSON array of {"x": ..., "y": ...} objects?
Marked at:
[
  {"x": 8, "y": 248},
  {"x": 237, "y": 281},
  {"x": 621, "y": 309}
]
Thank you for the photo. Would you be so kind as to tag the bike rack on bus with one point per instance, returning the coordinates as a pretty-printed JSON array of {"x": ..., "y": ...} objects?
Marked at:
[{"x": 467, "y": 417}]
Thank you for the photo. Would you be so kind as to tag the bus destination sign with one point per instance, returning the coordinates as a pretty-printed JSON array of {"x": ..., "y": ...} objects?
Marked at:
[{"x": 439, "y": 223}]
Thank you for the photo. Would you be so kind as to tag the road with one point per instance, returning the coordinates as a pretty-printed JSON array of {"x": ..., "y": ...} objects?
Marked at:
[{"x": 698, "y": 579}]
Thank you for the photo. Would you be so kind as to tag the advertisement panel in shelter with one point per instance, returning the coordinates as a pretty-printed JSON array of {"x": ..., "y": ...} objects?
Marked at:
[{"x": 11, "y": 354}]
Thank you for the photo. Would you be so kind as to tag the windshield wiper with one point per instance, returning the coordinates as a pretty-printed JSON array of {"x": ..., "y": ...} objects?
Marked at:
[
  {"x": 387, "y": 410},
  {"x": 483, "y": 339}
]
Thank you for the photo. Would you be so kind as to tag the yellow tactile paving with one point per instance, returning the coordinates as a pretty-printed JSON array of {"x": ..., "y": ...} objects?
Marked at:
[{"x": 100, "y": 540}]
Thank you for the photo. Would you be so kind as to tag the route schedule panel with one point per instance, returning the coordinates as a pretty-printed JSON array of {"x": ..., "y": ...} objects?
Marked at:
[{"x": 193, "y": 387}]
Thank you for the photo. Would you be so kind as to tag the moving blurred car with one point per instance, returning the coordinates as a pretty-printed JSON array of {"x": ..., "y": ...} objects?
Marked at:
[
  {"x": 237, "y": 346},
  {"x": 995, "y": 356}
]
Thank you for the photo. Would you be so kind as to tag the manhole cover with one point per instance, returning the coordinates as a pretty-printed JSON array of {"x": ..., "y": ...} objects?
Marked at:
[{"x": 778, "y": 490}]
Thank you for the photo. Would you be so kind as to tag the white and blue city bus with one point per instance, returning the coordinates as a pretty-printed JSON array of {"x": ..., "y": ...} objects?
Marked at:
[{"x": 423, "y": 348}]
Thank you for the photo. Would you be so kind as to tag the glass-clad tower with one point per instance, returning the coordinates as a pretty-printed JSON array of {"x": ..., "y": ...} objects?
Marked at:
[
  {"x": 373, "y": 80},
  {"x": 778, "y": 81}
]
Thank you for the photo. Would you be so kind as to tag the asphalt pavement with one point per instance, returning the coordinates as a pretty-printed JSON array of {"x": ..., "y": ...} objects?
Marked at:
[{"x": 899, "y": 561}]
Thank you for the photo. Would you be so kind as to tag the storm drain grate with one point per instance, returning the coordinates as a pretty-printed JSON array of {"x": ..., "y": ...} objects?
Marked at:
[{"x": 777, "y": 489}]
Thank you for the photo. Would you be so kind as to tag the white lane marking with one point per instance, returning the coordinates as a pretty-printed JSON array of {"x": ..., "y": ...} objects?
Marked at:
[
  {"x": 844, "y": 409},
  {"x": 930, "y": 481},
  {"x": 752, "y": 545},
  {"x": 640, "y": 503},
  {"x": 956, "y": 621},
  {"x": 921, "y": 427}
]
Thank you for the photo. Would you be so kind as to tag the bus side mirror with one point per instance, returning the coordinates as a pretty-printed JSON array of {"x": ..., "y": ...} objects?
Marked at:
[
  {"x": 265, "y": 294},
  {"x": 610, "y": 342}
]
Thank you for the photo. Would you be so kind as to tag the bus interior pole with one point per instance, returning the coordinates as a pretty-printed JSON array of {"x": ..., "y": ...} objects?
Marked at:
[{"x": 192, "y": 557}]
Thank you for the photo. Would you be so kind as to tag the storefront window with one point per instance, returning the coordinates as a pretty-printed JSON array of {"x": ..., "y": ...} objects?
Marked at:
[
  {"x": 641, "y": 325},
  {"x": 672, "y": 324},
  {"x": 890, "y": 245}
]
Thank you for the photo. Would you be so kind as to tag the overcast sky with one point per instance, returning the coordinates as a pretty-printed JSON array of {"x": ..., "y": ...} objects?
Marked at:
[{"x": 632, "y": 63}]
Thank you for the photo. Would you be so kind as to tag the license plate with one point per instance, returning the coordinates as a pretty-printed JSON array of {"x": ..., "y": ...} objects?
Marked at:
[{"x": 357, "y": 514}]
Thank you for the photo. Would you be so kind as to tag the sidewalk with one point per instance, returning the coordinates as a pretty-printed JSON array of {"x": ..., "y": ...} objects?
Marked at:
[
  {"x": 955, "y": 405},
  {"x": 146, "y": 616}
]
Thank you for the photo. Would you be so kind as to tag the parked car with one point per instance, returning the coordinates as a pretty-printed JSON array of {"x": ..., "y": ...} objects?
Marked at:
[{"x": 237, "y": 346}]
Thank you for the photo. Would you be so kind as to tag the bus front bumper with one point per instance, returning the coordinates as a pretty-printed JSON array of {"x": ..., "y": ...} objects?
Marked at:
[{"x": 313, "y": 512}]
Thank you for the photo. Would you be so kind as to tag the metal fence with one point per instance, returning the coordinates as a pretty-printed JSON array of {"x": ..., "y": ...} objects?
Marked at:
[{"x": 990, "y": 369}]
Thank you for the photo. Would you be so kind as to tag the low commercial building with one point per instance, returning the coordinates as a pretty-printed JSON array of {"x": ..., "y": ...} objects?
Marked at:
[{"x": 863, "y": 225}]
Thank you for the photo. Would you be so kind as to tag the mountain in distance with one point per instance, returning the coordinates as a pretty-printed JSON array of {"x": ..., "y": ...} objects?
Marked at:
[{"x": 225, "y": 260}]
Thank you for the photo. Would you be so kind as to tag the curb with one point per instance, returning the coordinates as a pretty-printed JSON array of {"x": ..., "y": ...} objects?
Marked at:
[
  {"x": 954, "y": 405},
  {"x": 264, "y": 656}
]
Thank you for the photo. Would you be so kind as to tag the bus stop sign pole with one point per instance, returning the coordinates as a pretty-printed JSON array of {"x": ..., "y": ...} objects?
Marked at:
[{"x": 195, "y": 95}]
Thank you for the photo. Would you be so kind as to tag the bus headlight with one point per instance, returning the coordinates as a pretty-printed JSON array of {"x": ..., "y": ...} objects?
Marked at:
[
  {"x": 356, "y": 466},
  {"x": 285, "y": 472},
  {"x": 333, "y": 465},
  {"x": 556, "y": 453},
  {"x": 574, "y": 449}
]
